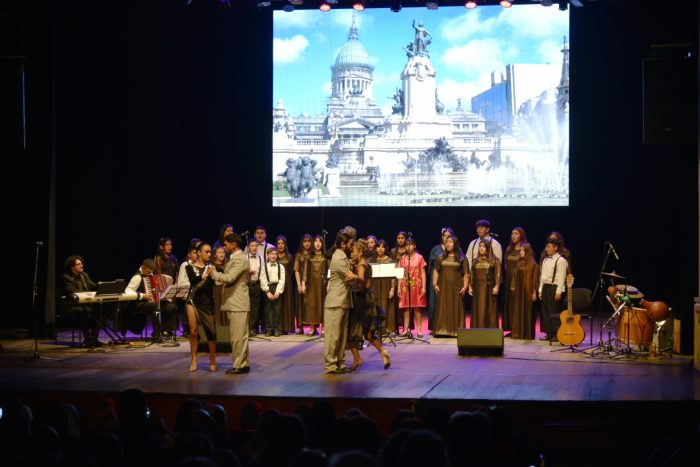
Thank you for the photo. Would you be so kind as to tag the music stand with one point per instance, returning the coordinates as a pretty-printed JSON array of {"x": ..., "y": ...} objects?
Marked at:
[{"x": 383, "y": 271}]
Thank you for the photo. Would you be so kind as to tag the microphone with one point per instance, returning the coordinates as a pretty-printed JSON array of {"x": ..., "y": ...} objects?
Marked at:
[
  {"x": 612, "y": 248},
  {"x": 493, "y": 234},
  {"x": 247, "y": 232},
  {"x": 39, "y": 243},
  {"x": 324, "y": 232},
  {"x": 410, "y": 234}
]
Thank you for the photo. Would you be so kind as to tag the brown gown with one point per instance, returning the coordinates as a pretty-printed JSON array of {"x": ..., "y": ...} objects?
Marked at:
[
  {"x": 287, "y": 312},
  {"x": 486, "y": 273},
  {"x": 449, "y": 307},
  {"x": 300, "y": 260},
  {"x": 522, "y": 278},
  {"x": 315, "y": 290},
  {"x": 380, "y": 291}
]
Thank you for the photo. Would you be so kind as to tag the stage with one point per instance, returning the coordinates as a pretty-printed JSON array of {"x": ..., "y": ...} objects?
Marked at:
[
  {"x": 617, "y": 406},
  {"x": 292, "y": 366}
]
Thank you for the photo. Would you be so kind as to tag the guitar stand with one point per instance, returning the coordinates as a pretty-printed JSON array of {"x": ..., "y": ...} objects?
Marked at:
[{"x": 571, "y": 347}]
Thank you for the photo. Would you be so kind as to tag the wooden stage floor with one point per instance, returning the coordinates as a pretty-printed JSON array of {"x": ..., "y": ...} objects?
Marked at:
[{"x": 291, "y": 367}]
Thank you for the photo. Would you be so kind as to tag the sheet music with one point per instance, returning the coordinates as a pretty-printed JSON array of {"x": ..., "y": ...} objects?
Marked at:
[
  {"x": 175, "y": 291},
  {"x": 382, "y": 270},
  {"x": 399, "y": 273}
]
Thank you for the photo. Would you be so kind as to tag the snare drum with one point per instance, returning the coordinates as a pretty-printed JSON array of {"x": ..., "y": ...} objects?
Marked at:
[{"x": 636, "y": 324}]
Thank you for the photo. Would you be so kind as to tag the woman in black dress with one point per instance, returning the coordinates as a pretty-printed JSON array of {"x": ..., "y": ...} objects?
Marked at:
[{"x": 200, "y": 305}]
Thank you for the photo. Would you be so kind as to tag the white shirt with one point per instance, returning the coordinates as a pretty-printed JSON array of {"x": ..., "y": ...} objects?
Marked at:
[
  {"x": 135, "y": 282},
  {"x": 255, "y": 263},
  {"x": 182, "y": 278},
  {"x": 547, "y": 275},
  {"x": 473, "y": 249},
  {"x": 272, "y": 275}
]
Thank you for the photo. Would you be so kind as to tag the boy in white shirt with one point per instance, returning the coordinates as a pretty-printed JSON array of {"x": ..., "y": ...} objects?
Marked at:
[{"x": 272, "y": 285}]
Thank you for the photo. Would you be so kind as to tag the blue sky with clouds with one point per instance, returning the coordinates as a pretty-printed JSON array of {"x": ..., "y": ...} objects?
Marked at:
[{"x": 467, "y": 46}]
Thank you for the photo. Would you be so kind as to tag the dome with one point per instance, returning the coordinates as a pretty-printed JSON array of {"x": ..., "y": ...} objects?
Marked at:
[{"x": 353, "y": 52}]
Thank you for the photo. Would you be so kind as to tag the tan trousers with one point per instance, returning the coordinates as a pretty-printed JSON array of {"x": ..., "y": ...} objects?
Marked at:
[
  {"x": 335, "y": 337},
  {"x": 238, "y": 328}
]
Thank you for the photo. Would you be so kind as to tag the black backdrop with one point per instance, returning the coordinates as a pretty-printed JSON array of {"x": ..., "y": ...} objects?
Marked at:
[{"x": 162, "y": 127}]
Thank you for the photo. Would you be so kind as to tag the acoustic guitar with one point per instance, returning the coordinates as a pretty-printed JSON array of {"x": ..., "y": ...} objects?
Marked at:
[{"x": 570, "y": 331}]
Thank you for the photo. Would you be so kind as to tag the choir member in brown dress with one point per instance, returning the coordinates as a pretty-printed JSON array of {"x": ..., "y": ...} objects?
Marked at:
[
  {"x": 435, "y": 253},
  {"x": 384, "y": 289},
  {"x": 371, "y": 252},
  {"x": 485, "y": 279},
  {"x": 288, "y": 310},
  {"x": 522, "y": 281},
  {"x": 313, "y": 284},
  {"x": 300, "y": 260},
  {"x": 400, "y": 247},
  {"x": 451, "y": 282},
  {"x": 166, "y": 262},
  {"x": 363, "y": 314}
]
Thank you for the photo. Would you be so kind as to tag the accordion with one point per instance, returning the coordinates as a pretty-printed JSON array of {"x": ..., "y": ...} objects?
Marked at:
[{"x": 155, "y": 285}]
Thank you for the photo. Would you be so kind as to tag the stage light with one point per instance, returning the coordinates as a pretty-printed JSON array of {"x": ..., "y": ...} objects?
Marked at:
[
  {"x": 324, "y": 6},
  {"x": 224, "y": 3},
  {"x": 563, "y": 5},
  {"x": 296, "y": 2},
  {"x": 358, "y": 6},
  {"x": 546, "y": 3},
  {"x": 288, "y": 8},
  {"x": 395, "y": 5},
  {"x": 506, "y": 3},
  {"x": 431, "y": 5},
  {"x": 470, "y": 5}
]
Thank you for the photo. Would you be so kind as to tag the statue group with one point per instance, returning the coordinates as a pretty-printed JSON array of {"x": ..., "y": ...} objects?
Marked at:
[{"x": 301, "y": 175}]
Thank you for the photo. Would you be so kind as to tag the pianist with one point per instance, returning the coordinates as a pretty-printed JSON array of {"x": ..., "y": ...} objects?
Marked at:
[{"x": 76, "y": 280}]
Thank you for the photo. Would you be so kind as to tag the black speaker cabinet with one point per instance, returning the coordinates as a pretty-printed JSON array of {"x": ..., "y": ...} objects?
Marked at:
[
  {"x": 223, "y": 340},
  {"x": 670, "y": 100},
  {"x": 480, "y": 341}
]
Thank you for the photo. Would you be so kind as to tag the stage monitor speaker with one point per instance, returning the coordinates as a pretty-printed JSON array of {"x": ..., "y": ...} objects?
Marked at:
[
  {"x": 670, "y": 100},
  {"x": 223, "y": 340},
  {"x": 480, "y": 341}
]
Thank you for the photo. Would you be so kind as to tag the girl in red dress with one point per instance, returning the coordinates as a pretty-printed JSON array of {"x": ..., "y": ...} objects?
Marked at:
[{"x": 413, "y": 266}]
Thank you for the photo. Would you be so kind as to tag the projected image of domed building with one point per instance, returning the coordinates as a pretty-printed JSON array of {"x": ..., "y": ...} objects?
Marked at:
[{"x": 410, "y": 149}]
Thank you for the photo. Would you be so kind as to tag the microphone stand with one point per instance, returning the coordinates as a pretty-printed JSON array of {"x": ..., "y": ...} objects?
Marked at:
[
  {"x": 35, "y": 312},
  {"x": 598, "y": 290}
]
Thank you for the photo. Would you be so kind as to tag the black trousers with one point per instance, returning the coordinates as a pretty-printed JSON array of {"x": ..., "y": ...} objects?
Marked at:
[
  {"x": 550, "y": 308},
  {"x": 136, "y": 318},
  {"x": 84, "y": 317},
  {"x": 255, "y": 293},
  {"x": 273, "y": 309}
]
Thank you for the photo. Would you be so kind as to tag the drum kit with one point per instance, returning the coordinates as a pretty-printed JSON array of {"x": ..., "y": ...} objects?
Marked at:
[{"x": 637, "y": 327}]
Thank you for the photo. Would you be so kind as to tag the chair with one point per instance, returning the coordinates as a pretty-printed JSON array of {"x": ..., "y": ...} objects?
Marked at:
[{"x": 581, "y": 303}]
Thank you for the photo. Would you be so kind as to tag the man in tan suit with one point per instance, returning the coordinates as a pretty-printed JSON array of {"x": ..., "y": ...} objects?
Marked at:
[
  {"x": 336, "y": 310},
  {"x": 235, "y": 301}
]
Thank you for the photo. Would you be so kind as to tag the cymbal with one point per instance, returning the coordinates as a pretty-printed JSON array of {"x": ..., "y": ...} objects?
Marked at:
[
  {"x": 613, "y": 275},
  {"x": 629, "y": 288}
]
